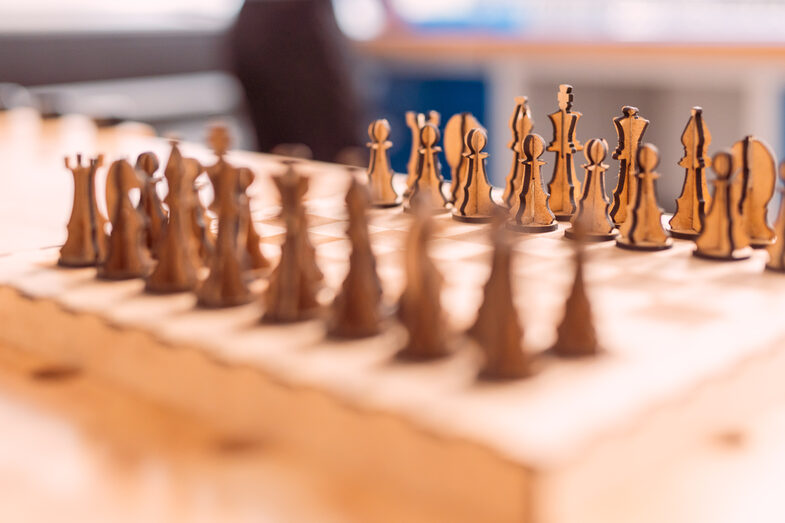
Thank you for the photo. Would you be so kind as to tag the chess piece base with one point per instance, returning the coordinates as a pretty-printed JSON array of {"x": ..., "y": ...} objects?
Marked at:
[
  {"x": 588, "y": 237},
  {"x": 173, "y": 289},
  {"x": 737, "y": 255},
  {"x": 75, "y": 264},
  {"x": 236, "y": 302},
  {"x": 683, "y": 235},
  {"x": 643, "y": 247},
  {"x": 435, "y": 210},
  {"x": 517, "y": 227},
  {"x": 555, "y": 352},
  {"x": 387, "y": 205},
  {"x": 472, "y": 219},
  {"x": 405, "y": 355},
  {"x": 760, "y": 244},
  {"x": 120, "y": 276},
  {"x": 563, "y": 217}
]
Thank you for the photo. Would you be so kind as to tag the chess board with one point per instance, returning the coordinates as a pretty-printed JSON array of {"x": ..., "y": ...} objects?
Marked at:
[{"x": 690, "y": 347}]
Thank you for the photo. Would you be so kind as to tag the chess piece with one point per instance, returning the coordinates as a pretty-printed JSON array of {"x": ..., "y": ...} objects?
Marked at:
[
  {"x": 777, "y": 248},
  {"x": 126, "y": 257},
  {"x": 455, "y": 147},
  {"x": 564, "y": 185},
  {"x": 251, "y": 241},
  {"x": 629, "y": 128},
  {"x": 86, "y": 242},
  {"x": 497, "y": 329},
  {"x": 642, "y": 228},
  {"x": 691, "y": 205},
  {"x": 521, "y": 125},
  {"x": 474, "y": 203},
  {"x": 380, "y": 173},
  {"x": 416, "y": 121},
  {"x": 356, "y": 309},
  {"x": 754, "y": 187},
  {"x": 530, "y": 211},
  {"x": 593, "y": 206},
  {"x": 297, "y": 280},
  {"x": 419, "y": 308},
  {"x": 429, "y": 178},
  {"x": 149, "y": 201},
  {"x": 722, "y": 236},
  {"x": 178, "y": 258},
  {"x": 201, "y": 221}
]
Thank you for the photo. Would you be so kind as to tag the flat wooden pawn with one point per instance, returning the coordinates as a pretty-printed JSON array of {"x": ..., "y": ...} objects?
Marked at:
[
  {"x": 630, "y": 128},
  {"x": 416, "y": 121},
  {"x": 754, "y": 187},
  {"x": 474, "y": 203},
  {"x": 776, "y": 250},
  {"x": 642, "y": 229},
  {"x": 85, "y": 245},
  {"x": 521, "y": 124},
  {"x": 149, "y": 201},
  {"x": 722, "y": 236},
  {"x": 380, "y": 172},
  {"x": 429, "y": 179},
  {"x": 592, "y": 213},
  {"x": 564, "y": 187},
  {"x": 455, "y": 148},
  {"x": 530, "y": 211}
]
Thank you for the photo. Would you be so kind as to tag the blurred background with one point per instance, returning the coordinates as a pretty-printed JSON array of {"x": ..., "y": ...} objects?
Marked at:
[{"x": 317, "y": 71}]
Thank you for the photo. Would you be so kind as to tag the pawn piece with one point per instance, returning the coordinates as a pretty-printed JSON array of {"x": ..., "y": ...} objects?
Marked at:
[
  {"x": 642, "y": 229},
  {"x": 429, "y": 179},
  {"x": 416, "y": 121},
  {"x": 86, "y": 242},
  {"x": 297, "y": 280},
  {"x": 419, "y": 308},
  {"x": 530, "y": 211},
  {"x": 497, "y": 329},
  {"x": 126, "y": 256},
  {"x": 777, "y": 249},
  {"x": 691, "y": 205},
  {"x": 380, "y": 173},
  {"x": 521, "y": 125},
  {"x": 722, "y": 236},
  {"x": 564, "y": 186},
  {"x": 593, "y": 206},
  {"x": 455, "y": 148},
  {"x": 629, "y": 128},
  {"x": 149, "y": 201},
  {"x": 575, "y": 335},
  {"x": 356, "y": 309},
  {"x": 754, "y": 187},
  {"x": 475, "y": 203}
]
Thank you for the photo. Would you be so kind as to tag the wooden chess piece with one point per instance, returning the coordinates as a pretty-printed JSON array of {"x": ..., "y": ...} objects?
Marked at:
[
  {"x": 126, "y": 257},
  {"x": 149, "y": 201},
  {"x": 201, "y": 221},
  {"x": 475, "y": 203},
  {"x": 356, "y": 309},
  {"x": 86, "y": 242},
  {"x": 722, "y": 236},
  {"x": 564, "y": 185},
  {"x": 416, "y": 121},
  {"x": 691, "y": 205},
  {"x": 777, "y": 248},
  {"x": 497, "y": 329},
  {"x": 429, "y": 178},
  {"x": 295, "y": 283},
  {"x": 630, "y": 128},
  {"x": 593, "y": 206},
  {"x": 419, "y": 308},
  {"x": 530, "y": 211},
  {"x": 380, "y": 172},
  {"x": 178, "y": 258},
  {"x": 521, "y": 124},
  {"x": 754, "y": 187},
  {"x": 455, "y": 148},
  {"x": 642, "y": 229}
]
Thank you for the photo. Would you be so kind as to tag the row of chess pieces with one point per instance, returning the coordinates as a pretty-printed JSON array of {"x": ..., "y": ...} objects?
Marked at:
[{"x": 724, "y": 226}]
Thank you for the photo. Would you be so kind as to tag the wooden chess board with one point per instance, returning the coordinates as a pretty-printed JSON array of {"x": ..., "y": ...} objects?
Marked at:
[{"x": 691, "y": 346}]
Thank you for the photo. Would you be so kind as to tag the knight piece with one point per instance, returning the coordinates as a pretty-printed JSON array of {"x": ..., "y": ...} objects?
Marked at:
[
  {"x": 429, "y": 178},
  {"x": 455, "y": 148},
  {"x": 754, "y": 187},
  {"x": 722, "y": 236},
  {"x": 777, "y": 249},
  {"x": 149, "y": 202},
  {"x": 564, "y": 185},
  {"x": 593, "y": 206},
  {"x": 474, "y": 202},
  {"x": 380, "y": 172},
  {"x": 629, "y": 129},
  {"x": 86, "y": 242},
  {"x": 416, "y": 121},
  {"x": 521, "y": 124},
  {"x": 691, "y": 205},
  {"x": 530, "y": 211}
]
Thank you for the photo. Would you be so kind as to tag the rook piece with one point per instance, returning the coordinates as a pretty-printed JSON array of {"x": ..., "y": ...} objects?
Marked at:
[
  {"x": 380, "y": 173},
  {"x": 564, "y": 185},
  {"x": 475, "y": 203},
  {"x": 86, "y": 242},
  {"x": 126, "y": 258},
  {"x": 521, "y": 125},
  {"x": 149, "y": 202},
  {"x": 416, "y": 121},
  {"x": 356, "y": 309},
  {"x": 596, "y": 224},
  {"x": 754, "y": 187},
  {"x": 429, "y": 179},
  {"x": 296, "y": 281},
  {"x": 530, "y": 211},
  {"x": 777, "y": 249},
  {"x": 691, "y": 205},
  {"x": 629, "y": 128},
  {"x": 455, "y": 148},
  {"x": 722, "y": 236},
  {"x": 642, "y": 229}
]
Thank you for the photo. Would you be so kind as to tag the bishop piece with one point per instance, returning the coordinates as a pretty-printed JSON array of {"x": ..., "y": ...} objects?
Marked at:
[{"x": 691, "y": 205}]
